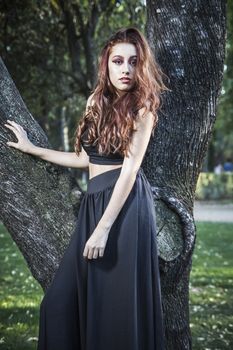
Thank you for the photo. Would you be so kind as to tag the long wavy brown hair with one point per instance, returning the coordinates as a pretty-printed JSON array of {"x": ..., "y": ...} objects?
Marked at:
[{"x": 110, "y": 118}]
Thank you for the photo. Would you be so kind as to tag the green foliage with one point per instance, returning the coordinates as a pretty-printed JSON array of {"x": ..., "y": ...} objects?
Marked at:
[
  {"x": 214, "y": 186},
  {"x": 211, "y": 296},
  {"x": 222, "y": 137},
  {"x": 50, "y": 64}
]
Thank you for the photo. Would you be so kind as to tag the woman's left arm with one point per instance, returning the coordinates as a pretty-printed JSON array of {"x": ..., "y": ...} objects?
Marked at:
[
  {"x": 129, "y": 170},
  {"x": 123, "y": 185}
]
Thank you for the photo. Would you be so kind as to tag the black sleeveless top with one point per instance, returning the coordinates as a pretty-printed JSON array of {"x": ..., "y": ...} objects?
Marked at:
[{"x": 97, "y": 158}]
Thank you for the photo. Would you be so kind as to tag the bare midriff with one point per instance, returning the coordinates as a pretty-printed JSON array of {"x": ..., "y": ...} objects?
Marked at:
[{"x": 97, "y": 169}]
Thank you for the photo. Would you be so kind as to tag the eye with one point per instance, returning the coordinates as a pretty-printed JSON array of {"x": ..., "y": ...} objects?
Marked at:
[
  {"x": 134, "y": 63},
  {"x": 117, "y": 61}
]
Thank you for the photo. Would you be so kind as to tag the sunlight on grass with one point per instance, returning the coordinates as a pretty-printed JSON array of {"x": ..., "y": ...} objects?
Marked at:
[
  {"x": 20, "y": 296},
  {"x": 211, "y": 300}
]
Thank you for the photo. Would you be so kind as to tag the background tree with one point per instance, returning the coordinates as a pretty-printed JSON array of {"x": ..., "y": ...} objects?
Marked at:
[{"x": 190, "y": 50}]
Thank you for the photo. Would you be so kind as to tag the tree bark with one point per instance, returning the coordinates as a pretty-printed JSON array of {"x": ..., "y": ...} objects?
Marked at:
[
  {"x": 39, "y": 202},
  {"x": 188, "y": 40}
]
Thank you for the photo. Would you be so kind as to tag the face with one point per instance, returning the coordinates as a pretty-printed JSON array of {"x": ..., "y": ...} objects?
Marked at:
[{"x": 122, "y": 64}]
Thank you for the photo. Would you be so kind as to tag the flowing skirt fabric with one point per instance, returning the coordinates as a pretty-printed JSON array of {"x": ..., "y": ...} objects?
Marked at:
[{"x": 112, "y": 302}]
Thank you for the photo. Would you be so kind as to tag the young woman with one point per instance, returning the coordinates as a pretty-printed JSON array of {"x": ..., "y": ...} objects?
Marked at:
[{"x": 106, "y": 292}]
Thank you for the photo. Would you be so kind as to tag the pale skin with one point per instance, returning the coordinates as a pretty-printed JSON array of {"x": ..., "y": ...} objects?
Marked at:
[{"x": 121, "y": 63}]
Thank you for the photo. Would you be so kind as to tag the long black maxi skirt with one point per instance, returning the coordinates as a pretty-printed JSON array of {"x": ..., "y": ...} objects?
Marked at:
[{"x": 112, "y": 302}]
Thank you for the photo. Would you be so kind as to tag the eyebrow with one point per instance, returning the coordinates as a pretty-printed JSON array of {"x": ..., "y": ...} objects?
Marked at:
[{"x": 123, "y": 57}]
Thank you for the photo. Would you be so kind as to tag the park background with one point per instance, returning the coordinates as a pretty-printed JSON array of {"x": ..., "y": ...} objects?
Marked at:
[{"x": 35, "y": 50}]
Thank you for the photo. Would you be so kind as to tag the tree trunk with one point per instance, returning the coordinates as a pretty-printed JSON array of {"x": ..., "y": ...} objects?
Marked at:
[
  {"x": 38, "y": 203},
  {"x": 189, "y": 45},
  {"x": 188, "y": 40}
]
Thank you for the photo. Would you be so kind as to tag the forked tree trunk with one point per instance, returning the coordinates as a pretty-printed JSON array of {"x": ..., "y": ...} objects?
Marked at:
[
  {"x": 38, "y": 201},
  {"x": 38, "y": 206},
  {"x": 188, "y": 40}
]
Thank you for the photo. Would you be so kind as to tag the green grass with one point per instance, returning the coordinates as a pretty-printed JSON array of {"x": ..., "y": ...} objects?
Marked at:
[
  {"x": 20, "y": 296},
  {"x": 211, "y": 296}
]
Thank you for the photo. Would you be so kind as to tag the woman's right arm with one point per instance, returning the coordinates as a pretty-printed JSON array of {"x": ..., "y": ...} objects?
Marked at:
[{"x": 67, "y": 159}]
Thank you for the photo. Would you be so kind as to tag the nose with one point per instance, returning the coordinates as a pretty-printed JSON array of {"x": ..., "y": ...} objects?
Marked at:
[{"x": 125, "y": 68}]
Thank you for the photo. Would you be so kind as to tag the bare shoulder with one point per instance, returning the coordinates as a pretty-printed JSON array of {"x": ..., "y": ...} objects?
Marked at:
[{"x": 145, "y": 117}]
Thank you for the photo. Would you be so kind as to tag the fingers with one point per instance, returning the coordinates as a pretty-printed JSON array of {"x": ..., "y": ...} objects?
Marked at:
[
  {"x": 14, "y": 126},
  {"x": 93, "y": 253},
  {"x": 90, "y": 253},
  {"x": 12, "y": 144},
  {"x": 85, "y": 252},
  {"x": 101, "y": 252},
  {"x": 17, "y": 130}
]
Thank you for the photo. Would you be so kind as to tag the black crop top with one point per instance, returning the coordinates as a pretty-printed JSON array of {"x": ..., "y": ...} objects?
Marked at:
[{"x": 97, "y": 158}]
